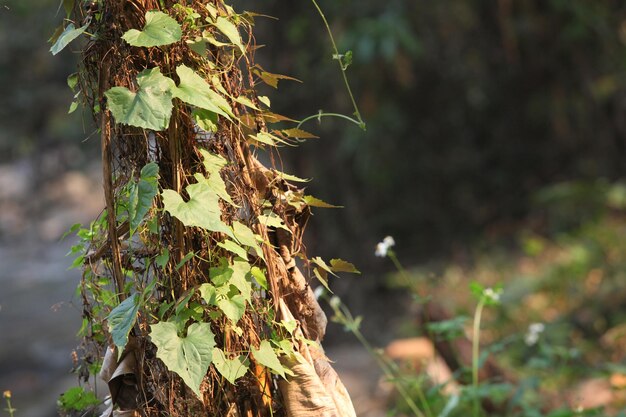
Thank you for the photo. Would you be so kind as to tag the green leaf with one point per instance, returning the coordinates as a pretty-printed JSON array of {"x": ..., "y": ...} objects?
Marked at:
[
  {"x": 77, "y": 399},
  {"x": 184, "y": 260},
  {"x": 221, "y": 274},
  {"x": 208, "y": 293},
  {"x": 159, "y": 30},
  {"x": 206, "y": 119},
  {"x": 246, "y": 102},
  {"x": 73, "y": 107},
  {"x": 68, "y": 35},
  {"x": 231, "y": 369},
  {"x": 202, "y": 209},
  {"x": 271, "y": 219},
  {"x": 142, "y": 194},
  {"x": 245, "y": 236},
  {"x": 213, "y": 164},
  {"x": 232, "y": 307},
  {"x": 259, "y": 276},
  {"x": 265, "y": 100},
  {"x": 163, "y": 258},
  {"x": 189, "y": 356},
  {"x": 339, "y": 265},
  {"x": 298, "y": 134},
  {"x": 322, "y": 264},
  {"x": 233, "y": 247},
  {"x": 150, "y": 107},
  {"x": 194, "y": 90},
  {"x": 316, "y": 202},
  {"x": 121, "y": 320},
  {"x": 266, "y": 356},
  {"x": 241, "y": 278},
  {"x": 230, "y": 31},
  {"x": 72, "y": 80},
  {"x": 290, "y": 177}
]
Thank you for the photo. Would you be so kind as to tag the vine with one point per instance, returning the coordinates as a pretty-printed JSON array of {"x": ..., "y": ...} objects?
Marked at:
[{"x": 190, "y": 280}]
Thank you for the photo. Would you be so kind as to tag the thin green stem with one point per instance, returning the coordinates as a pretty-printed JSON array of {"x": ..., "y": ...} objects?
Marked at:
[
  {"x": 361, "y": 123},
  {"x": 475, "y": 352},
  {"x": 345, "y": 318},
  {"x": 396, "y": 262},
  {"x": 320, "y": 115}
]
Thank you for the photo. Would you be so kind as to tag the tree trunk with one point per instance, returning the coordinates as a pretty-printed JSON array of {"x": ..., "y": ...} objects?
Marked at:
[{"x": 192, "y": 295}]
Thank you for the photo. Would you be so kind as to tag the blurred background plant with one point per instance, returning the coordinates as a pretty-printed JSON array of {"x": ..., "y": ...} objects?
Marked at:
[{"x": 494, "y": 152}]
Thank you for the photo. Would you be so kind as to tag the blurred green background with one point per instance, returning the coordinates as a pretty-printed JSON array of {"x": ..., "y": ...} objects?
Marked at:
[{"x": 488, "y": 122}]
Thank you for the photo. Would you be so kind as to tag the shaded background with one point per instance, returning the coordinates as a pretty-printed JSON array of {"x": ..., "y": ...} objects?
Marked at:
[{"x": 472, "y": 108}]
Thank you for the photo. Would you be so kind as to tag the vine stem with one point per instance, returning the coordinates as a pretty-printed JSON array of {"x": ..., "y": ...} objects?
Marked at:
[
  {"x": 475, "y": 352},
  {"x": 320, "y": 115},
  {"x": 357, "y": 113}
]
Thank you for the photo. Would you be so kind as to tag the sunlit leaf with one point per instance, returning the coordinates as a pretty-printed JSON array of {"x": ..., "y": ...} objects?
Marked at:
[
  {"x": 290, "y": 177},
  {"x": 339, "y": 265},
  {"x": 188, "y": 356},
  {"x": 265, "y": 100},
  {"x": 68, "y": 35},
  {"x": 194, "y": 90},
  {"x": 266, "y": 356},
  {"x": 241, "y": 278},
  {"x": 230, "y": 31},
  {"x": 233, "y": 247},
  {"x": 245, "y": 236},
  {"x": 231, "y": 369},
  {"x": 121, "y": 319},
  {"x": 202, "y": 209},
  {"x": 298, "y": 134},
  {"x": 246, "y": 102},
  {"x": 271, "y": 219},
  {"x": 316, "y": 202},
  {"x": 232, "y": 307},
  {"x": 159, "y": 30},
  {"x": 150, "y": 107},
  {"x": 259, "y": 276},
  {"x": 206, "y": 119}
]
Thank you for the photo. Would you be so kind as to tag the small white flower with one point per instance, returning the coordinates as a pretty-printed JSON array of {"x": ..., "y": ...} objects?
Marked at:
[
  {"x": 532, "y": 336},
  {"x": 388, "y": 240},
  {"x": 494, "y": 295},
  {"x": 383, "y": 247}
]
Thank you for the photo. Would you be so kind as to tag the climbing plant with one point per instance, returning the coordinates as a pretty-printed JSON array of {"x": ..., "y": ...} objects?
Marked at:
[{"x": 196, "y": 285}]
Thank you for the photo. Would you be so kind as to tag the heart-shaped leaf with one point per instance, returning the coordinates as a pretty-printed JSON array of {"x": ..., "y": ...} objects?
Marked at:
[
  {"x": 160, "y": 29},
  {"x": 231, "y": 369},
  {"x": 202, "y": 209},
  {"x": 189, "y": 356},
  {"x": 150, "y": 107}
]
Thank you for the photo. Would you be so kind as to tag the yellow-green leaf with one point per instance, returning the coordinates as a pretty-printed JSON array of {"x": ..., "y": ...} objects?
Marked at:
[
  {"x": 339, "y": 265},
  {"x": 160, "y": 29},
  {"x": 230, "y": 31}
]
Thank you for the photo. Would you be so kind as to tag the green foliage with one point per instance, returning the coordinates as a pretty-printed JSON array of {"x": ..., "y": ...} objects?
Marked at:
[
  {"x": 230, "y": 30},
  {"x": 122, "y": 319},
  {"x": 202, "y": 209},
  {"x": 77, "y": 399},
  {"x": 159, "y": 30},
  {"x": 150, "y": 107},
  {"x": 68, "y": 35},
  {"x": 193, "y": 89},
  {"x": 188, "y": 356},
  {"x": 142, "y": 194},
  {"x": 231, "y": 369},
  {"x": 266, "y": 356}
]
